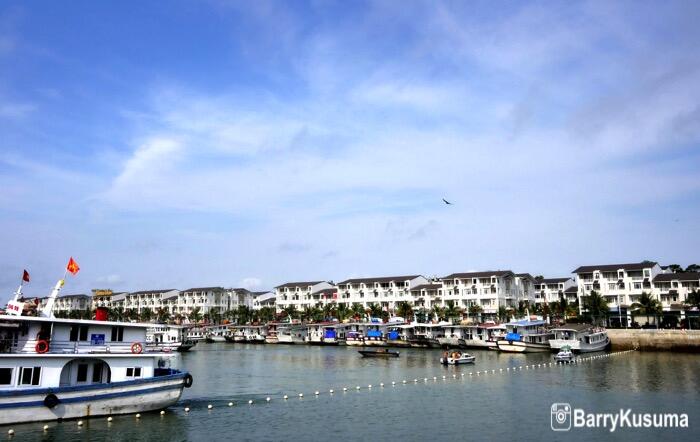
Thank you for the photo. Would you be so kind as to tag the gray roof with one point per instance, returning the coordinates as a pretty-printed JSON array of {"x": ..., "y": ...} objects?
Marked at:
[
  {"x": 553, "y": 280},
  {"x": 298, "y": 284},
  {"x": 379, "y": 279},
  {"x": 667, "y": 277},
  {"x": 614, "y": 267},
  {"x": 151, "y": 292},
  {"x": 427, "y": 287},
  {"x": 487, "y": 274}
]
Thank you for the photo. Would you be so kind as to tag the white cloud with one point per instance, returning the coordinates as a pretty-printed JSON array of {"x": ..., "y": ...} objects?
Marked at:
[{"x": 251, "y": 283}]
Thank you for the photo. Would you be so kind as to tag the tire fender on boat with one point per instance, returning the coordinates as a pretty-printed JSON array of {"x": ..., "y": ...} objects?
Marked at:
[
  {"x": 50, "y": 401},
  {"x": 136, "y": 348},
  {"x": 188, "y": 380}
]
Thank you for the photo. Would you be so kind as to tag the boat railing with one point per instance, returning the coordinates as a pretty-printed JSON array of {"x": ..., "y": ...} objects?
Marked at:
[{"x": 68, "y": 347}]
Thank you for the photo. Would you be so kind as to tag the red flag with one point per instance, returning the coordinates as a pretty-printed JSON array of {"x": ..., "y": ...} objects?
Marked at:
[
  {"x": 25, "y": 277},
  {"x": 72, "y": 266}
]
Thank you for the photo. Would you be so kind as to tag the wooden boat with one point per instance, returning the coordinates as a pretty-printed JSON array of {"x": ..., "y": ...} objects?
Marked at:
[{"x": 379, "y": 353}]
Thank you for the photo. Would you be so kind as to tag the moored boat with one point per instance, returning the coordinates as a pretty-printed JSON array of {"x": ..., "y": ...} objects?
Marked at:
[
  {"x": 580, "y": 338},
  {"x": 526, "y": 336},
  {"x": 168, "y": 337},
  {"x": 379, "y": 353},
  {"x": 54, "y": 369},
  {"x": 564, "y": 355}
]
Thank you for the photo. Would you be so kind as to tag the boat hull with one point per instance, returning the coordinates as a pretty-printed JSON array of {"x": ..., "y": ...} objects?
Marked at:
[
  {"x": 378, "y": 354},
  {"x": 446, "y": 342},
  {"x": 22, "y": 406},
  {"x": 522, "y": 347}
]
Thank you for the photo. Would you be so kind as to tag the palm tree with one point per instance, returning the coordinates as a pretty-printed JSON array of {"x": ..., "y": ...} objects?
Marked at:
[
  {"x": 358, "y": 311},
  {"x": 502, "y": 314},
  {"x": 475, "y": 310},
  {"x": 342, "y": 311},
  {"x": 693, "y": 299},
  {"x": 146, "y": 315},
  {"x": 266, "y": 314},
  {"x": 195, "y": 315},
  {"x": 329, "y": 310},
  {"x": 243, "y": 314},
  {"x": 597, "y": 306},
  {"x": 647, "y": 306},
  {"x": 452, "y": 311},
  {"x": 163, "y": 315},
  {"x": 439, "y": 312},
  {"x": 291, "y": 311},
  {"x": 404, "y": 310},
  {"x": 375, "y": 310}
]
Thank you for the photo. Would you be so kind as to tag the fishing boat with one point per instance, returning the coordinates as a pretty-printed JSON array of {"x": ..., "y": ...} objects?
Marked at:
[
  {"x": 426, "y": 335},
  {"x": 216, "y": 333},
  {"x": 453, "y": 336},
  {"x": 456, "y": 358},
  {"x": 54, "y": 369},
  {"x": 271, "y": 336},
  {"x": 580, "y": 338},
  {"x": 400, "y": 335},
  {"x": 379, "y": 353},
  {"x": 322, "y": 334},
  {"x": 168, "y": 338},
  {"x": 526, "y": 336},
  {"x": 291, "y": 334},
  {"x": 564, "y": 355}
]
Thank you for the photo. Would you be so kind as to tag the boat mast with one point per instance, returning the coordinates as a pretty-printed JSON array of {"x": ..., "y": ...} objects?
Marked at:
[{"x": 47, "y": 311}]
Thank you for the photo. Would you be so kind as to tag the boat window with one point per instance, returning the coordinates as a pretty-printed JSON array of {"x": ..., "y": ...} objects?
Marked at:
[
  {"x": 133, "y": 372},
  {"x": 117, "y": 334},
  {"x": 29, "y": 375},
  {"x": 82, "y": 373},
  {"x": 5, "y": 376},
  {"x": 78, "y": 333}
]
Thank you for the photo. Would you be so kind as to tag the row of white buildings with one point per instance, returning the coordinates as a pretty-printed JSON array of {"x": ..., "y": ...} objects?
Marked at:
[{"x": 620, "y": 284}]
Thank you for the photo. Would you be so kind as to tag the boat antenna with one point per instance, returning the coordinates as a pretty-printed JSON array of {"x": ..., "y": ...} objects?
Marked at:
[{"x": 47, "y": 311}]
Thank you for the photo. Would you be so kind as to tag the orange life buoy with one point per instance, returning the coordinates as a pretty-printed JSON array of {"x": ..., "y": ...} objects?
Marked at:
[
  {"x": 42, "y": 346},
  {"x": 136, "y": 348}
]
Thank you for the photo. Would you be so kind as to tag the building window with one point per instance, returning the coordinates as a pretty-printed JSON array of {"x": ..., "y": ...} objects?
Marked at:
[
  {"x": 5, "y": 376},
  {"x": 29, "y": 375},
  {"x": 82, "y": 373}
]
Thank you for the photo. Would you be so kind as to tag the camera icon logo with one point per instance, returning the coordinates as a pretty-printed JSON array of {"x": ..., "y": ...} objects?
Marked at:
[{"x": 561, "y": 417}]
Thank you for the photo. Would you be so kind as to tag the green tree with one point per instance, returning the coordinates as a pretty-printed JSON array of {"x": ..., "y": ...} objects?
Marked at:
[
  {"x": 693, "y": 299},
  {"x": 502, "y": 313},
  {"x": 647, "y": 305},
  {"x": 195, "y": 315},
  {"x": 375, "y": 310},
  {"x": 475, "y": 309},
  {"x": 266, "y": 314},
  {"x": 404, "y": 310},
  {"x": 342, "y": 311},
  {"x": 596, "y": 306},
  {"x": 146, "y": 315},
  {"x": 439, "y": 312},
  {"x": 452, "y": 312},
  {"x": 329, "y": 310},
  {"x": 163, "y": 315},
  {"x": 693, "y": 268},
  {"x": 291, "y": 312},
  {"x": 675, "y": 268},
  {"x": 358, "y": 311},
  {"x": 243, "y": 314}
]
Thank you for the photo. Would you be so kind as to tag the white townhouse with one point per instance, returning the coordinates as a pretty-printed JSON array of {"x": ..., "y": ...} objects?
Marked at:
[
  {"x": 68, "y": 303},
  {"x": 385, "y": 291},
  {"x": 550, "y": 290},
  {"x": 672, "y": 289},
  {"x": 263, "y": 299},
  {"x": 149, "y": 299},
  {"x": 489, "y": 290},
  {"x": 427, "y": 296},
  {"x": 208, "y": 299},
  {"x": 620, "y": 284},
  {"x": 302, "y": 294},
  {"x": 525, "y": 284}
]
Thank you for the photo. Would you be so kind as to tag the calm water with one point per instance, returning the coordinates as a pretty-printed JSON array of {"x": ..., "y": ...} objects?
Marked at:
[{"x": 495, "y": 406}]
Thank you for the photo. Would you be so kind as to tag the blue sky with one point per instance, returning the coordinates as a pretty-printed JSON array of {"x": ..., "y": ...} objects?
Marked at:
[{"x": 178, "y": 144}]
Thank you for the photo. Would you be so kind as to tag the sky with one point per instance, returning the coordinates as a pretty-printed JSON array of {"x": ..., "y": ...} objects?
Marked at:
[{"x": 248, "y": 144}]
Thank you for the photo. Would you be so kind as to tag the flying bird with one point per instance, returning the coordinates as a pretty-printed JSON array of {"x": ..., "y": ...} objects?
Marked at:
[{"x": 446, "y": 202}]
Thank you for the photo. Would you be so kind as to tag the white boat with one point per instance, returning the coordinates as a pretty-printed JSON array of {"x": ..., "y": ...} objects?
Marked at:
[
  {"x": 484, "y": 335},
  {"x": 456, "y": 358},
  {"x": 453, "y": 337},
  {"x": 564, "y": 355},
  {"x": 216, "y": 333},
  {"x": 581, "y": 338},
  {"x": 271, "y": 336},
  {"x": 291, "y": 334},
  {"x": 53, "y": 369},
  {"x": 526, "y": 336},
  {"x": 168, "y": 338},
  {"x": 196, "y": 334},
  {"x": 427, "y": 335}
]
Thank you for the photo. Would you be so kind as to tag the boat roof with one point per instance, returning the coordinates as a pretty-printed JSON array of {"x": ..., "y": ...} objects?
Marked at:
[
  {"x": 73, "y": 321},
  {"x": 573, "y": 327},
  {"x": 527, "y": 322}
]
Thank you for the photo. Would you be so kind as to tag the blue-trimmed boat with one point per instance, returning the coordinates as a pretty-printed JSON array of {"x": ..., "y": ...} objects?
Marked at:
[
  {"x": 54, "y": 369},
  {"x": 526, "y": 336}
]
